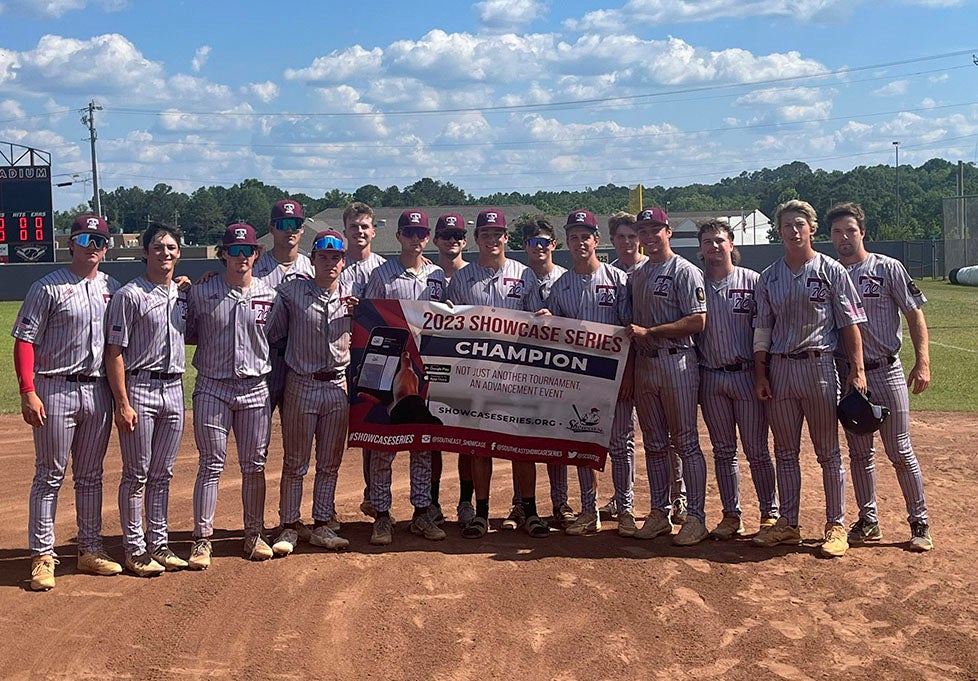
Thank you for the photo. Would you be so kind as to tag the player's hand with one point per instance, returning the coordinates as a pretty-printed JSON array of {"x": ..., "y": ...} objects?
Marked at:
[
  {"x": 451, "y": 305},
  {"x": 543, "y": 312},
  {"x": 638, "y": 333},
  {"x": 125, "y": 418},
  {"x": 351, "y": 303},
  {"x": 762, "y": 389},
  {"x": 183, "y": 282},
  {"x": 919, "y": 378},
  {"x": 857, "y": 380},
  {"x": 32, "y": 408},
  {"x": 207, "y": 276}
]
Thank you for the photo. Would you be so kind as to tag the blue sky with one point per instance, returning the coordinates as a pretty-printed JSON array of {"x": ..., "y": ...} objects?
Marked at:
[{"x": 497, "y": 95}]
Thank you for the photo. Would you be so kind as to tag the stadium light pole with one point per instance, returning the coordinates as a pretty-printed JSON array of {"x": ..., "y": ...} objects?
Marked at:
[{"x": 896, "y": 174}]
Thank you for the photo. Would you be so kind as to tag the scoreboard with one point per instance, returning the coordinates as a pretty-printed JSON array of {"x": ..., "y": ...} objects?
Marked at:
[{"x": 26, "y": 215}]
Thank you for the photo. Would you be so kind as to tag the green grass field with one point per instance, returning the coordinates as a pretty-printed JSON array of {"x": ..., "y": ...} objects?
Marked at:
[{"x": 952, "y": 317}]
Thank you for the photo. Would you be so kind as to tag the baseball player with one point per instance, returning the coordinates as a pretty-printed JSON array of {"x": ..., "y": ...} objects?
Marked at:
[
  {"x": 669, "y": 306},
  {"x": 409, "y": 277},
  {"x": 59, "y": 341},
  {"x": 496, "y": 281},
  {"x": 358, "y": 228},
  {"x": 805, "y": 302},
  {"x": 283, "y": 263},
  {"x": 726, "y": 351},
  {"x": 227, "y": 318},
  {"x": 450, "y": 241},
  {"x": 597, "y": 292},
  {"x": 539, "y": 243},
  {"x": 314, "y": 314},
  {"x": 145, "y": 361},
  {"x": 886, "y": 290}
]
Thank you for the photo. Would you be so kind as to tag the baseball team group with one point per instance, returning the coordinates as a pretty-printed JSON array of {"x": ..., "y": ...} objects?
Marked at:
[{"x": 754, "y": 353}]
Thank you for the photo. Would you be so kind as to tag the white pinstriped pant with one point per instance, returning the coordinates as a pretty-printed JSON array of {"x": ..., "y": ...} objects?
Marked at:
[
  {"x": 381, "y": 476},
  {"x": 220, "y": 406},
  {"x": 666, "y": 392},
  {"x": 888, "y": 386},
  {"x": 148, "y": 454},
  {"x": 729, "y": 405},
  {"x": 312, "y": 409},
  {"x": 621, "y": 451},
  {"x": 78, "y": 425},
  {"x": 807, "y": 390}
]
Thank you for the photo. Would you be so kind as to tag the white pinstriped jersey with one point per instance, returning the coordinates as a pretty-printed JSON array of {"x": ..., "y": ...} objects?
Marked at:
[
  {"x": 630, "y": 269},
  {"x": 666, "y": 292},
  {"x": 886, "y": 289},
  {"x": 357, "y": 272},
  {"x": 513, "y": 286},
  {"x": 448, "y": 279},
  {"x": 546, "y": 283},
  {"x": 805, "y": 310},
  {"x": 317, "y": 324},
  {"x": 601, "y": 296},
  {"x": 269, "y": 269},
  {"x": 229, "y": 326},
  {"x": 63, "y": 316},
  {"x": 392, "y": 281},
  {"x": 148, "y": 321},
  {"x": 729, "y": 335}
]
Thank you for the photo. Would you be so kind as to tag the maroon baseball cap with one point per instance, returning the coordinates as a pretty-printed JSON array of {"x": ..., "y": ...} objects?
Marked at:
[
  {"x": 287, "y": 208},
  {"x": 413, "y": 217},
  {"x": 89, "y": 224},
  {"x": 652, "y": 216},
  {"x": 582, "y": 218},
  {"x": 239, "y": 234},
  {"x": 490, "y": 217},
  {"x": 448, "y": 222},
  {"x": 328, "y": 240}
]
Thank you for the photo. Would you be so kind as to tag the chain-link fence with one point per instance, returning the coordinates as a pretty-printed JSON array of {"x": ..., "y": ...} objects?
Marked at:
[{"x": 960, "y": 232}]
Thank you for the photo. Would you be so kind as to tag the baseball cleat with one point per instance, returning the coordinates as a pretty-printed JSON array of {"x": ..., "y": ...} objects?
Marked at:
[
  {"x": 98, "y": 563},
  {"x": 328, "y": 539},
  {"x": 423, "y": 526},
  {"x": 864, "y": 531},
  {"x": 920, "y": 540},
  {"x": 200, "y": 555},
  {"x": 167, "y": 558},
  {"x": 143, "y": 565},
  {"x": 465, "y": 512},
  {"x": 680, "y": 511},
  {"x": 437, "y": 517},
  {"x": 256, "y": 548},
  {"x": 779, "y": 533},
  {"x": 610, "y": 510},
  {"x": 657, "y": 523},
  {"x": 285, "y": 542},
  {"x": 626, "y": 524},
  {"x": 729, "y": 527},
  {"x": 383, "y": 532},
  {"x": 564, "y": 515},
  {"x": 515, "y": 519},
  {"x": 836, "y": 544},
  {"x": 691, "y": 533},
  {"x": 768, "y": 521},
  {"x": 586, "y": 523},
  {"x": 42, "y": 573}
]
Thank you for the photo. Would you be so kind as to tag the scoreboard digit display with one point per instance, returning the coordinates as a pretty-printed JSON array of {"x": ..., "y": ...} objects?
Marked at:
[{"x": 26, "y": 215}]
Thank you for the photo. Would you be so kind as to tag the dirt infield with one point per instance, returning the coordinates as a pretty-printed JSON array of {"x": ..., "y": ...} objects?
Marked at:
[{"x": 506, "y": 606}]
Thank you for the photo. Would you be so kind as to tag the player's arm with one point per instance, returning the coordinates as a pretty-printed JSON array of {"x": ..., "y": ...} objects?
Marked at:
[
  {"x": 31, "y": 406},
  {"x": 762, "y": 358},
  {"x": 919, "y": 377},
  {"x": 115, "y": 370},
  {"x": 853, "y": 340},
  {"x": 627, "y": 389},
  {"x": 682, "y": 327}
]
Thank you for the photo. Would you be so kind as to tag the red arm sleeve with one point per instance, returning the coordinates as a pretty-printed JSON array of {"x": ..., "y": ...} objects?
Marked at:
[{"x": 24, "y": 365}]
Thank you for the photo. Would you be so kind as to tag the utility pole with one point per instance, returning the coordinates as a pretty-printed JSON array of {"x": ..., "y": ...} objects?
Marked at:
[{"x": 89, "y": 120}]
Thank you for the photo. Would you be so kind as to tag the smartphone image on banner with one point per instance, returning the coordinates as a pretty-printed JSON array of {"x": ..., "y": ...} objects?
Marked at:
[{"x": 381, "y": 360}]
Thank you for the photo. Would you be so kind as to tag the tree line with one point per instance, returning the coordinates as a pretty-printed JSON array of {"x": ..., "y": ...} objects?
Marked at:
[{"x": 205, "y": 213}]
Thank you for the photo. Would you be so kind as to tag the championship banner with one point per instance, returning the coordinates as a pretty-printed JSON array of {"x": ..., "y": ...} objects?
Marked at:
[{"x": 484, "y": 381}]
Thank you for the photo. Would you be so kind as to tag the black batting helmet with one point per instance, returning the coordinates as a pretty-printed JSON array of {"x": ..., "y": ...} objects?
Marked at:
[{"x": 860, "y": 416}]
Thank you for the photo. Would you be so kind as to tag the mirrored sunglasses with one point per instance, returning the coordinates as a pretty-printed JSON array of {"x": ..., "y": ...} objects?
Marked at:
[
  {"x": 290, "y": 224},
  {"x": 328, "y": 243},
  {"x": 449, "y": 234},
  {"x": 84, "y": 240},
  {"x": 415, "y": 232},
  {"x": 241, "y": 251},
  {"x": 539, "y": 242}
]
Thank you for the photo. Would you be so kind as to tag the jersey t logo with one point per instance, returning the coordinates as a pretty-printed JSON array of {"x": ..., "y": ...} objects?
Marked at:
[
  {"x": 606, "y": 295},
  {"x": 870, "y": 287},
  {"x": 514, "y": 287},
  {"x": 818, "y": 289},
  {"x": 662, "y": 286},
  {"x": 261, "y": 308},
  {"x": 434, "y": 289},
  {"x": 742, "y": 299}
]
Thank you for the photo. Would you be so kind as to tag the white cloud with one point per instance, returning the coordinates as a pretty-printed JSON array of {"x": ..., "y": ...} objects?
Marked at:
[
  {"x": 340, "y": 66},
  {"x": 265, "y": 92},
  {"x": 55, "y": 9},
  {"x": 200, "y": 58},
  {"x": 896, "y": 88},
  {"x": 509, "y": 15},
  {"x": 236, "y": 118}
]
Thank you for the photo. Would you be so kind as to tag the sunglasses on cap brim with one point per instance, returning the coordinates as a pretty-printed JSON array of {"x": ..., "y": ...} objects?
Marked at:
[
  {"x": 241, "y": 251},
  {"x": 448, "y": 234},
  {"x": 288, "y": 224},
  {"x": 328, "y": 243},
  {"x": 539, "y": 242},
  {"x": 96, "y": 240},
  {"x": 413, "y": 232}
]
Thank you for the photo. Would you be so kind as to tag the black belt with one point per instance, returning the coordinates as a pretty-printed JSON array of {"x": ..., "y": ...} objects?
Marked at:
[
  {"x": 736, "y": 366},
  {"x": 82, "y": 378},
  {"x": 807, "y": 354},
  {"x": 328, "y": 375},
  {"x": 155, "y": 375},
  {"x": 873, "y": 364},
  {"x": 663, "y": 352}
]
